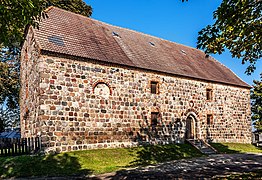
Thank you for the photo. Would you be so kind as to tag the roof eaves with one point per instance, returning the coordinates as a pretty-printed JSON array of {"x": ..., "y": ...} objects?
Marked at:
[{"x": 57, "y": 54}]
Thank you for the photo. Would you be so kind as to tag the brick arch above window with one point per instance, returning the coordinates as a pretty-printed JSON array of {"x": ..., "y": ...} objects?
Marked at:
[
  {"x": 102, "y": 88},
  {"x": 191, "y": 111},
  {"x": 155, "y": 109}
]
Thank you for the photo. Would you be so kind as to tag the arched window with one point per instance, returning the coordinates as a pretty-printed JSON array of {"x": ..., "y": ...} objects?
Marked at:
[{"x": 102, "y": 89}]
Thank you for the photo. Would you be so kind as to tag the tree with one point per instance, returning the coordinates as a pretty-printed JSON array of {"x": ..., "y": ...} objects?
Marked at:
[
  {"x": 9, "y": 80},
  {"x": 9, "y": 118},
  {"x": 15, "y": 15},
  {"x": 256, "y": 103},
  {"x": 237, "y": 28}
]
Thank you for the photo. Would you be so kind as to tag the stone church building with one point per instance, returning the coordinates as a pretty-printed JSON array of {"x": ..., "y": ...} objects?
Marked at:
[{"x": 87, "y": 84}]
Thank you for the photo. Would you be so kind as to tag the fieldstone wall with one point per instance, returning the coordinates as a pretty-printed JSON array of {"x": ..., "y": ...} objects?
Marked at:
[
  {"x": 77, "y": 105},
  {"x": 30, "y": 90}
]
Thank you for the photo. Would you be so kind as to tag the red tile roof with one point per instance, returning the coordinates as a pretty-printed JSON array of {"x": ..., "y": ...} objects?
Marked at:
[{"x": 75, "y": 35}]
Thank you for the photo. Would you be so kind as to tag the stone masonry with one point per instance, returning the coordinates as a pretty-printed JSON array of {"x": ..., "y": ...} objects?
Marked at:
[
  {"x": 60, "y": 102},
  {"x": 30, "y": 90},
  {"x": 86, "y": 84}
]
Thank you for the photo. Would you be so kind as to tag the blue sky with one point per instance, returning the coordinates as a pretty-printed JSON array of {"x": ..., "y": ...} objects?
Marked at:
[{"x": 168, "y": 19}]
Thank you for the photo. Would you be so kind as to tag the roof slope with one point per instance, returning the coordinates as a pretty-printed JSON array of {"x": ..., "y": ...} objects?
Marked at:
[{"x": 72, "y": 34}]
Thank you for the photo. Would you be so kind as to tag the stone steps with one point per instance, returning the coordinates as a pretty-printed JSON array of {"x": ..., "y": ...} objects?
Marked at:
[{"x": 202, "y": 146}]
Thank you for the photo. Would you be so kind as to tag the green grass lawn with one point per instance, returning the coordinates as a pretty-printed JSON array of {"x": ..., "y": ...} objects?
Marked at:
[
  {"x": 229, "y": 148},
  {"x": 92, "y": 161}
]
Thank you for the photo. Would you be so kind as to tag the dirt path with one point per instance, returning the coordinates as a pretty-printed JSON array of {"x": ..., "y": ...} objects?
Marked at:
[{"x": 197, "y": 168}]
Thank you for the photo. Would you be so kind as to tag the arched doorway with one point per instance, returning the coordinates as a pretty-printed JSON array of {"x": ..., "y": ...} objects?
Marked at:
[{"x": 190, "y": 127}]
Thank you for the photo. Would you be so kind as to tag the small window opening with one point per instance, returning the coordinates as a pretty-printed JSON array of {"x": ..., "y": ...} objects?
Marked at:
[
  {"x": 209, "y": 94},
  {"x": 102, "y": 89},
  {"x": 154, "y": 117},
  {"x": 26, "y": 90},
  {"x": 115, "y": 34},
  {"x": 209, "y": 119},
  {"x": 183, "y": 51},
  {"x": 26, "y": 115},
  {"x": 152, "y": 44},
  {"x": 256, "y": 137},
  {"x": 154, "y": 87}
]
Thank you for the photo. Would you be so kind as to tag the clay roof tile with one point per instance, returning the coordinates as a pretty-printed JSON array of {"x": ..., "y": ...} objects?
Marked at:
[{"x": 75, "y": 35}]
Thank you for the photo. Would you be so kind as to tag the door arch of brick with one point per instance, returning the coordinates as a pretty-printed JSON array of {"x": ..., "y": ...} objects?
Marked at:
[{"x": 191, "y": 126}]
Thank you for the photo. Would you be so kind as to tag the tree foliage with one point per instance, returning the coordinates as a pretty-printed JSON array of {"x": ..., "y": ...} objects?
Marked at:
[
  {"x": 238, "y": 28},
  {"x": 9, "y": 118},
  {"x": 256, "y": 103},
  {"x": 9, "y": 80},
  {"x": 76, "y": 6},
  {"x": 15, "y": 15}
]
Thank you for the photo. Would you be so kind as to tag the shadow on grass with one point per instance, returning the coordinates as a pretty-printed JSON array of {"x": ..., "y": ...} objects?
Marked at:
[
  {"x": 231, "y": 148},
  {"x": 33, "y": 166},
  {"x": 224, "y": 149},
  {"x": 152, "y": 154},
  {"x": 258, "y": 147},
  {"x": 233, "y": 166}
]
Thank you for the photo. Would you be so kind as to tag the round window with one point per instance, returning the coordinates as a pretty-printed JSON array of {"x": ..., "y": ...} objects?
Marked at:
[{"x": 102, "y": 89}]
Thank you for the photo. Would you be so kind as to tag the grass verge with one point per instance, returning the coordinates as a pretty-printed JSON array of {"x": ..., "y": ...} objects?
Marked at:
[
  {"x": 92, "y": 161},
  {"x": 230, "y": 148}
]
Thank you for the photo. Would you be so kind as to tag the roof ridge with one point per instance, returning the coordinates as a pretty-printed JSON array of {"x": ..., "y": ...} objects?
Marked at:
[
  {"x": 142, "y": 33},
  {"x": 67, "y": 11},
  {"x": 124, "y": 28},
  {"x": 96, "y": 41}
]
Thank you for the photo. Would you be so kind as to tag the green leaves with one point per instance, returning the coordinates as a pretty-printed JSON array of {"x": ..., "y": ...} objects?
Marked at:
[
  {"x": 9, "y": 79},
  {"x": 256, "y": 103},
  {"x": 76, "y": 6},
  {"x": 238, "y": 27},
  {"x": 15, "y": 16},
  {"x": 9, "y": 118}
]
